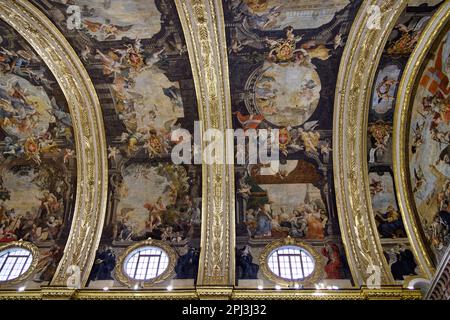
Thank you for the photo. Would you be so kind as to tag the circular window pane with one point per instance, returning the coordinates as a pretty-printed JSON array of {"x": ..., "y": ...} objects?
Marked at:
[
  {"x": 291, "y": 262},
  {"x": 146, "y": 263},
  {"x": 14, "y": 262}
]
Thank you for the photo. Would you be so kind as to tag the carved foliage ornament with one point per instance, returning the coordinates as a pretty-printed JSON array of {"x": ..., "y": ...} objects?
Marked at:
[
  {"x": 357, "y": 72},
  {"x": 204, "y": 29}
]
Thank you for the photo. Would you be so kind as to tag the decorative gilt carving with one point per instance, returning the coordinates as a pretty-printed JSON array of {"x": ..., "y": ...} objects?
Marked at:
[
  {"x": 385, "y": 293},
  {"x": 88, "y": 128},
  {"x": 203, "y": 26},
  {"x": 357, "y": 72},
  {"x": 401, "y": 132}
]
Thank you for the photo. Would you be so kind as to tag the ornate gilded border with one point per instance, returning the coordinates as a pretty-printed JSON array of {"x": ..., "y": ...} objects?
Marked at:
[
  {"x": 204, "y": 31},
  {"x": 384, "y": 293},
  {"x": 401, "y": 133},
  {"x": 35, "y": 259},
  {"x": 313, "y": 278},
  {"x": 356, "y": 75},
  {"x": 128, "y": 281},
  {"x": 90, "y": 142}
]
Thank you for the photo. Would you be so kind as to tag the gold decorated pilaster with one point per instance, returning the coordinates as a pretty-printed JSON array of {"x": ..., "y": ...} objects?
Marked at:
[
  {"x": 359, "y": 63},
  {"x": 204, "y": 30},
  {"x": 405, "y": 99},
  {"x": 91, "y": 194}
]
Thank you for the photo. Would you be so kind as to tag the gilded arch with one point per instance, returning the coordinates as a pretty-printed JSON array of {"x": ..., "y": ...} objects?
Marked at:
[
  {"x": 401, "y": 126},
  {"x": 85, "y": 110},
  {"x": 357, "y": 72}
]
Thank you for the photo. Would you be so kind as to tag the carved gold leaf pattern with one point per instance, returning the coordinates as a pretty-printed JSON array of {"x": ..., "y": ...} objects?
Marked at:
[
  {"x": 203, "y": 26},
  {"x": 357, "y": 71}
]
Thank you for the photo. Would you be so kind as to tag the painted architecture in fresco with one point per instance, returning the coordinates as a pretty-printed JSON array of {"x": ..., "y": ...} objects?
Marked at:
[
  {"x": 429, "y": 150},
  {"x": 284, "y": 58},
  {"x": 135, "y": 53},
  {"x": 37, "y": 155},
  {"x": 397, "y": 51}
]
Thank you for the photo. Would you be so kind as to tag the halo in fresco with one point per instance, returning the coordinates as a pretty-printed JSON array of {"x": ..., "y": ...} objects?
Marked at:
[
  {"x": 32, "y": 118},
  {"x": 154, "y": 202},
  {"x": 140, "y": 179},
  {"x": 429, "y": 151},
  {"x": 114, "y": 20},
  {"x": 287, "y": 94}
]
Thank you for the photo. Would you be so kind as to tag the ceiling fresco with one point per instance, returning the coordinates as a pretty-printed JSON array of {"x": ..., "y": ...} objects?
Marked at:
[
  {"x": 287, "y": 73},
  {"x": 37, "y": 155},
  {"x": 428, "y": 151},
  {"x": 283, "y": 71},
  {"x": 135, "y": 54}
]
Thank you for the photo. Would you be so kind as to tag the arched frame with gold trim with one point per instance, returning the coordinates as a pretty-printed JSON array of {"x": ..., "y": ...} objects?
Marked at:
[
  {"x": 406, "y": 89},
  {"x": 34, "y": 251},
  {"x": 90, "y": 143},
  {"x": 359, "y": 64},
  {"x": 122, "y": 276},
  {"x": 311, "y": 279}
]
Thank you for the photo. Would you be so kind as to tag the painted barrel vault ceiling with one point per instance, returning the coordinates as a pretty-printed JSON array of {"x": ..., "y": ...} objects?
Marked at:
[{"x": 90, "y": 92}]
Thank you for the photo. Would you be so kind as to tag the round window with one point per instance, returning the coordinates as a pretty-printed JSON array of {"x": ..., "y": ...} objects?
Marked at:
[
  {"x": 14, "y": 262},
  {"x": 291, "y": 262},
  {"x": 146, "y": 263}
]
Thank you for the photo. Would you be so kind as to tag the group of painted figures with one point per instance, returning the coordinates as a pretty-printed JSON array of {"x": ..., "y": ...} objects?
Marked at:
[
  {"x": 308, "y": 221},
  {"x": 169, "y": 223},
  {"x": 39, "y": 226}
]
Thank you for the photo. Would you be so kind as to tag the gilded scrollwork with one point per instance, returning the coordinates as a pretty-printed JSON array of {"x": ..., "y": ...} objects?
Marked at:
[
  {"x": 87, "y": 121},
  {"x": 356, "y": 76},
  {"x": 204, "y": 30},
  {"x": 386, "y": 293}
]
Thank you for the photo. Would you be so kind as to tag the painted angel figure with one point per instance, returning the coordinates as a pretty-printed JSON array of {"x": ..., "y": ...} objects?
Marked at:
[
  {"x": 238, "y": 45},
  {"x": 111, "y": 63},
  {"x": 108, "y": 30},
  {"x": 263, "y": 21},
  {"x": 244, "y": 189},
  {"x": 376, "y": 186},
  {"x": 325, "y": 150},
  {"x": 310, "y": 140},
  {"x": 68, "y": 153},
  {"x": 383, "y": 89}
]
